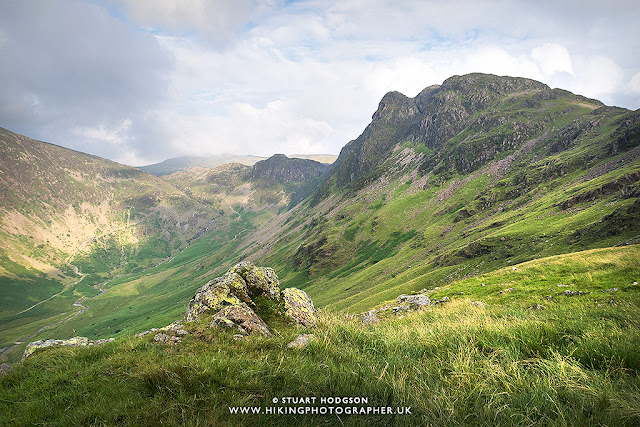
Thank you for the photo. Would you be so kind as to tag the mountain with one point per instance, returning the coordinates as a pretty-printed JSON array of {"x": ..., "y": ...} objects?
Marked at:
[
  {"x": 186, "y": 163},
  {"x": 72, "y": 224},
  {"x": 277, "y": 182},
  {"x": 476, "y": 174},
  {"x": 511, "y": 207},
  {"x": 69, "y": 221},
  {"x": 479, "y": 172},
  {"x": 282, "y": 169}
]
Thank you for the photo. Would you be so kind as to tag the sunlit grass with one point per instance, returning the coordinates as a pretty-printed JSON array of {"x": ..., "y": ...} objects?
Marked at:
[{"x": 576, "y": 362}]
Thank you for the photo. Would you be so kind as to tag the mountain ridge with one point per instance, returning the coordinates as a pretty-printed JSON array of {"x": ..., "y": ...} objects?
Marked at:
[
  {"x": 529, "y": 172},
  {"x": 185, "y": 163}
]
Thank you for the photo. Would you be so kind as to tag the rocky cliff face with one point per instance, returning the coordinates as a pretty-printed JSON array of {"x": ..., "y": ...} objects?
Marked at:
[
  {"x": 475, "y": 173},
  {"x": 459, "y": 126},
  {"x": 245, "y": 295},
  {"x": 282, "y": 169}
]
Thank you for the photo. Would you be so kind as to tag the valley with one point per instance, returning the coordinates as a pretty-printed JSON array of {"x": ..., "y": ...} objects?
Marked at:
[{"x": 517, "y": 202}]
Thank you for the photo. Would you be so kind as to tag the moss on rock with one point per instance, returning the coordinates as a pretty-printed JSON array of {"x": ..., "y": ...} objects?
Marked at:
[
  {"x": 241, "y": 317},
  {"x": 259, "y": 280},
  {"x": 299, "y": 307},
  {"x": 71, "y": 342}
]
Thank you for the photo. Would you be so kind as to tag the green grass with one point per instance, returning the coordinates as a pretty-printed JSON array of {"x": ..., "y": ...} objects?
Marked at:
[{"x": 576, "y": 362}]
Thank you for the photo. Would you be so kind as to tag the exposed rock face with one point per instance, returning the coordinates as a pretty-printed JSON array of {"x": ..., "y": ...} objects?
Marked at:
[
  {"x": 408, "y": 303},
  {"x": 259, "y": 280},
  {"x": 370, "y": 318},
  {"x": 4, "y": 368},
  {"x": 230, "y": 289},
  {"x": 415, "y": 301},
  {"x": 236, "y": 299},
  {"x": 165, "y": 338},
  {"x": 72, "y": 342},
  {"x": 299, "y": 307},
  {"x": 471, "y": 103},
  {"x": 573, "y": 293},
  {"x": 282, "y": 169},
  {"x": 241, "y": 317}
]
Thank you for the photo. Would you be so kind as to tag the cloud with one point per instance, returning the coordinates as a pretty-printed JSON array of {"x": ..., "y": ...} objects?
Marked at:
[
  {"x": 114, "y": 135},
  {"x": 141, "y": 81},
  {"x": 552, "y": 58},
  {"x": 634, "y": 83},
  {"x": 73, "y": 67},
  {"x": 218, "y": 21}
]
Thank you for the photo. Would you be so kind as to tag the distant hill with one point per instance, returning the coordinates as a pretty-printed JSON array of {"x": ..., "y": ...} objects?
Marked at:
[
  {"x": 276, "y": 182},
  {"x": 185, "y": 163},
  {"x": 66, "y": 215}
]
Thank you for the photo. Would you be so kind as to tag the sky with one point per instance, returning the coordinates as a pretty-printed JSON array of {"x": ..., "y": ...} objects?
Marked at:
[{"x": 140, "y": 81}]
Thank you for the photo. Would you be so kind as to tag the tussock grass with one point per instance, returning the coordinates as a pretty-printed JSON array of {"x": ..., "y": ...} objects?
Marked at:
[
  {"x": 576, "y": 362},
  {"x": 454, "y": 365}
]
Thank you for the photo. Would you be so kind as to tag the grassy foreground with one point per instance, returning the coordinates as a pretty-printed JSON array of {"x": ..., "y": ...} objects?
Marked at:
[{"x": 575, "y": 362}]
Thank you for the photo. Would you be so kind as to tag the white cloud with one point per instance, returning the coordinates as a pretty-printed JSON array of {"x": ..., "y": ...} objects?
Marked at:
[
  {"x": 597, "y": 77},
  {"x": 218, "y": 20},
  {"x": 117, "y": 134},
  {"x": 552, "y": 58},
  {"x": 153, "y": 79},
  {"x": 634, "y": 83}
]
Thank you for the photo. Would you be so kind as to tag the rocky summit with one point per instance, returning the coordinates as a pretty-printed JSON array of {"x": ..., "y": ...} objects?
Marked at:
[{"x": 282, "y": 169}]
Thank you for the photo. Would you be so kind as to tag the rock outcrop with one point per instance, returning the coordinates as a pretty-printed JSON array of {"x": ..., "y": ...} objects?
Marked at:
[
  {"x": 299, "y": 307},
  {"x": 4, "y": 369},
  {"x": 301, "y": 341},
  {"x": 242, "y": 318},
  {"x": 259, "y": 280},
  {"x": 407, "y": 304},
  {"x": 245, "y": 293},
  {"x": 72, "y": 342},
  {"x": 282, "y": 169}
]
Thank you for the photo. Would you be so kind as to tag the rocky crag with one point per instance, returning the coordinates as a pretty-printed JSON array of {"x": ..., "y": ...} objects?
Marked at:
[{"x": 242, "y": 299}]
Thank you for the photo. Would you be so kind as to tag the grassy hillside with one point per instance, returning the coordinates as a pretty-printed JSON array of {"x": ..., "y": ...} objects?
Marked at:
[
  {"x": 121, "y": 297},
  {"x": 575, "y": 361},
  {"x": 468, "y": 177},
  {"x": 529, "y": 172},
  {"x": 70, "y": 222}
]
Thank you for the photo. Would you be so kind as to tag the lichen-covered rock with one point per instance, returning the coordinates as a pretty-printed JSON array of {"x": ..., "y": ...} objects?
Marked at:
[
  {"x": 415, "y": 301},
  {"x": 175, "y": 328},
  {"x": 244, "y": 294},
  {"x": 72, "y": 342},
  {"x": 142, "y": 334},
  {"x": 573, "y": 293},
  {"x": 370, "y": 318},
  {"x": 301, "y": 341},
  {"x": 165, "y": 338},
  {"x": 259, "y": 280},
  {"x": 241, "y": 317},
  {"x": 298, "y": 307},
  {"x": 230, "y": 289}
]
